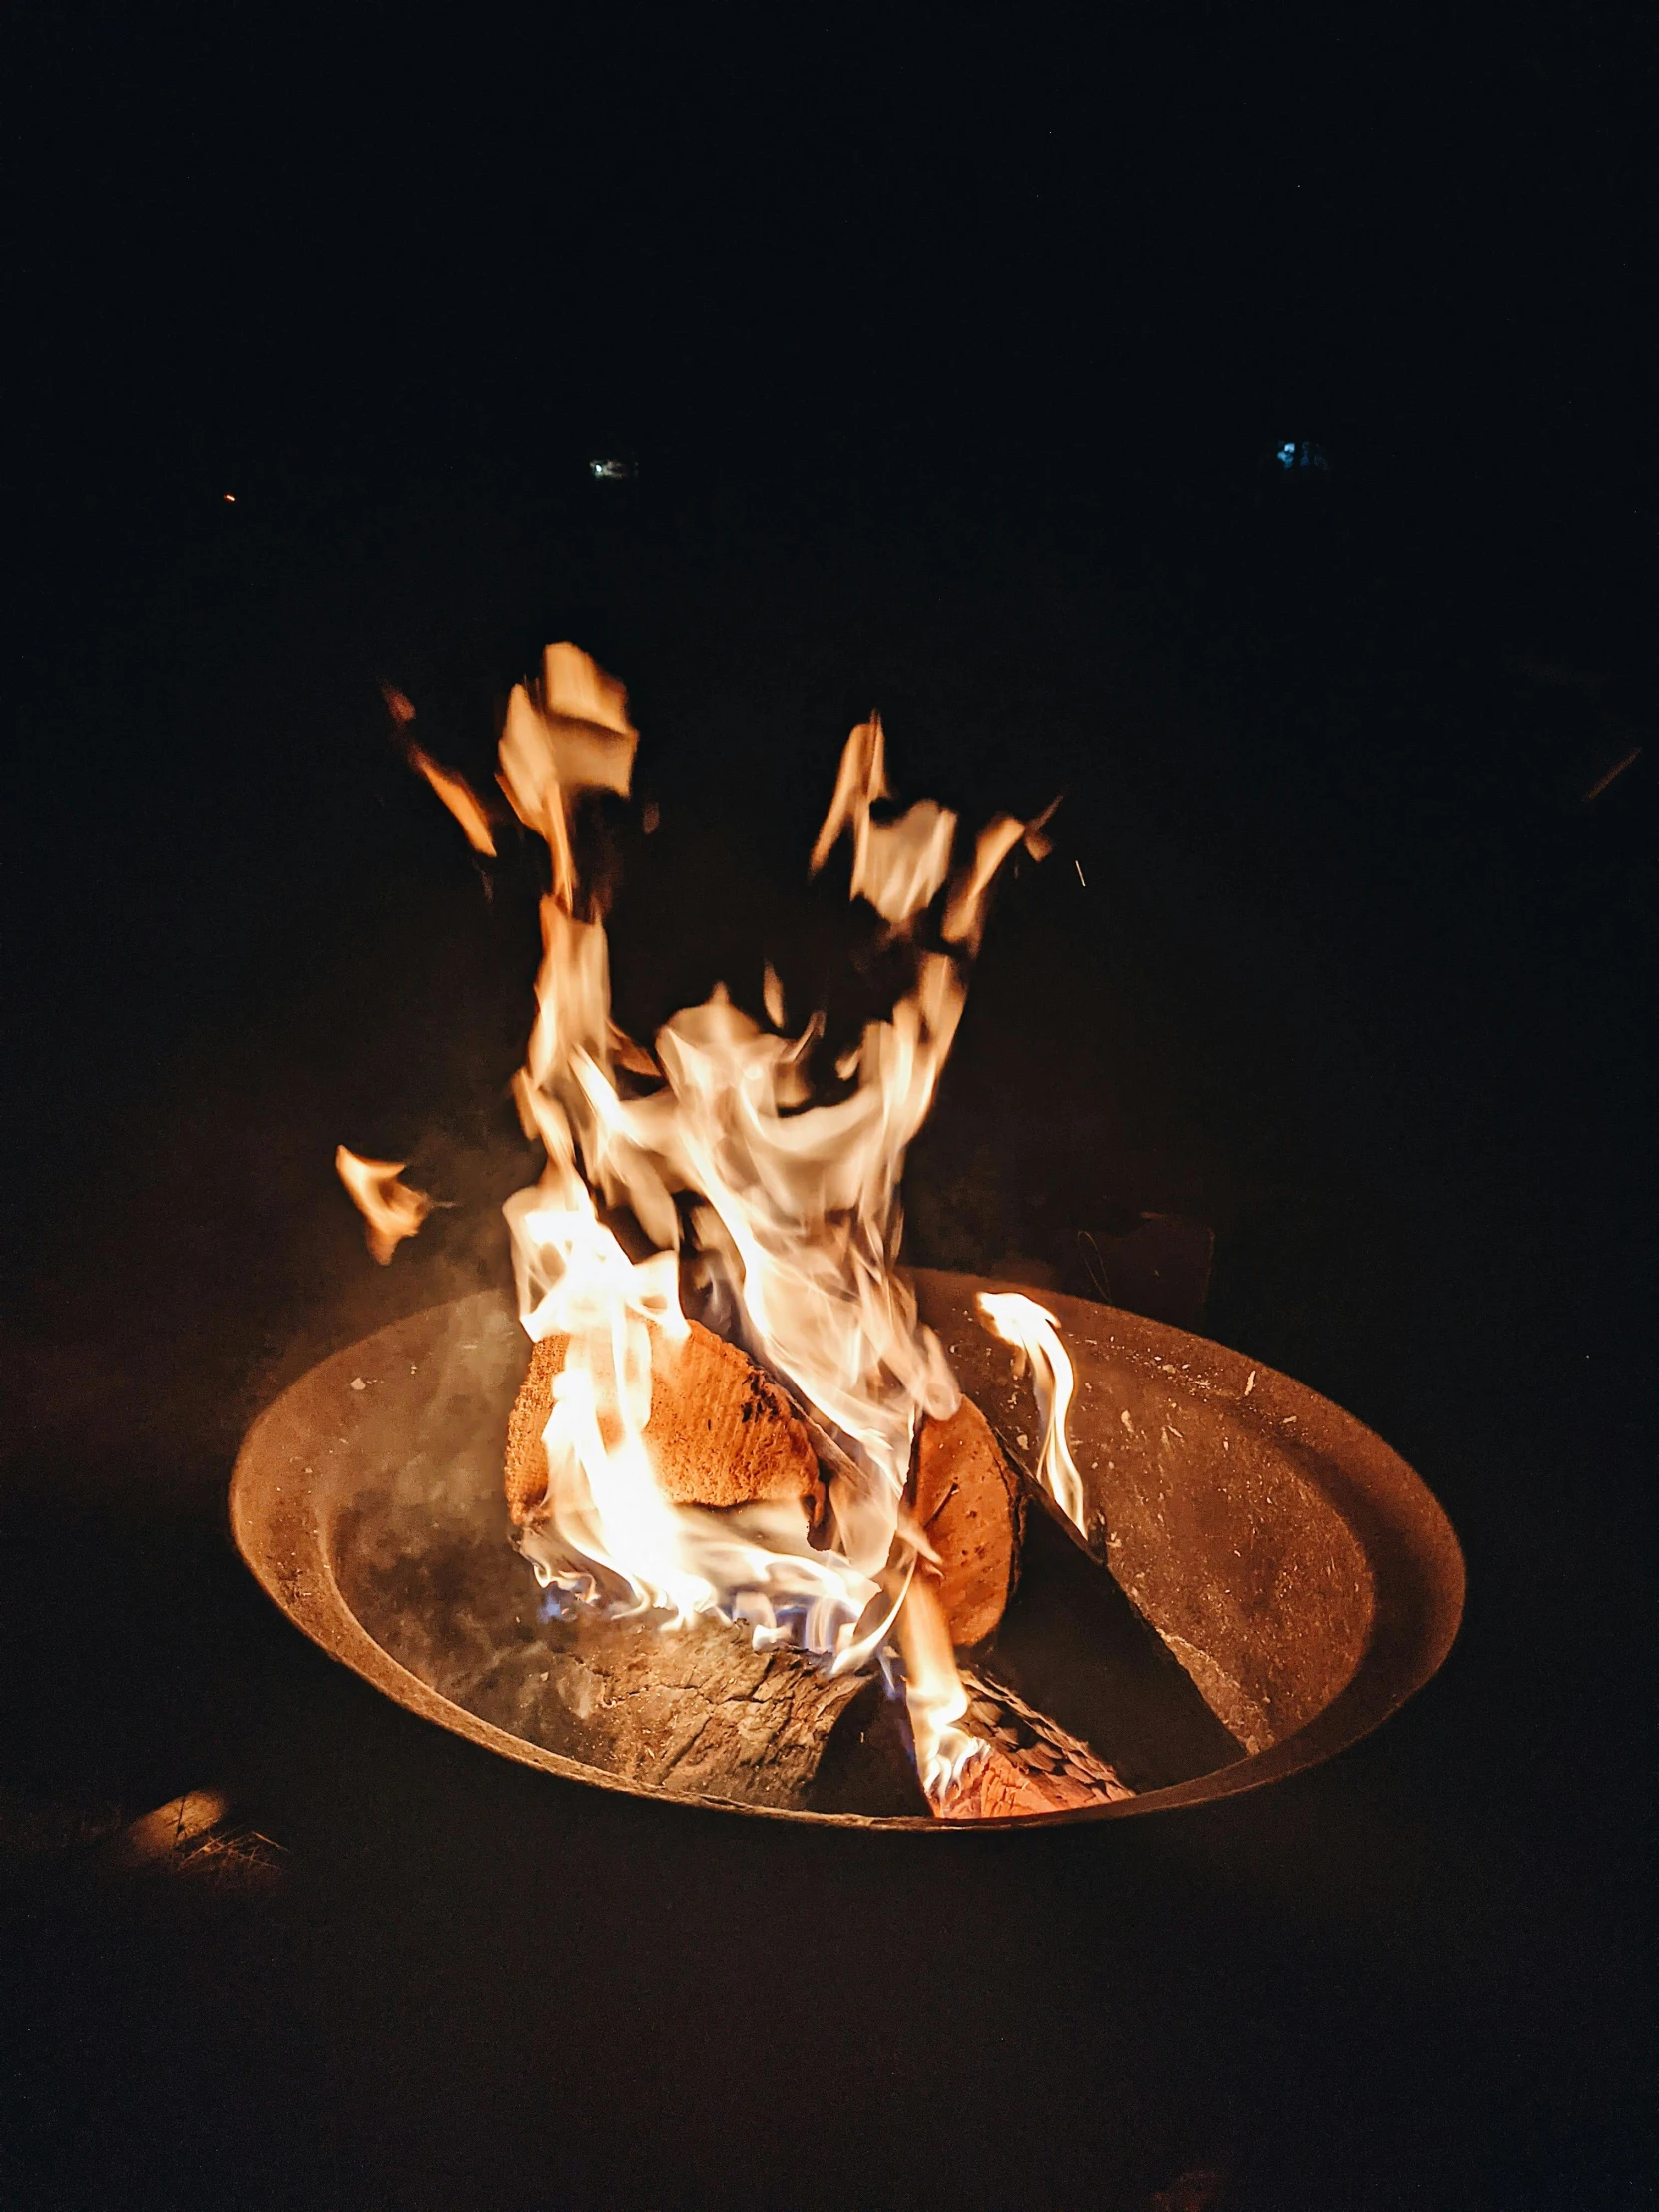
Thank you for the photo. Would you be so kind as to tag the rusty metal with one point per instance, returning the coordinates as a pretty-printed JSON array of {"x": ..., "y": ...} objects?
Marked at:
[{"x": 1298, "y": 1570}]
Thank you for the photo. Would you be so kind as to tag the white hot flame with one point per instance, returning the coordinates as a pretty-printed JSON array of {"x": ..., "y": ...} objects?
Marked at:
[{"x": 1032, "y": 1329}]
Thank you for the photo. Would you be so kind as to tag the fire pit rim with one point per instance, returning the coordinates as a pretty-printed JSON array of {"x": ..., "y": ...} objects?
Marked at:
[{"x": 1410, "y": 1547}]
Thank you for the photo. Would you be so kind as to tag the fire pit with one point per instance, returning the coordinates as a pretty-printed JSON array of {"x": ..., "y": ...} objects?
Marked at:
[
  {"x": 758, "y": 1487},
  {"x": 1274, "y": 1581}
]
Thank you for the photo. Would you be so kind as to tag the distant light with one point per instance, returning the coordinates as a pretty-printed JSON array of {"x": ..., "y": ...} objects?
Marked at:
[
  {"x": 1286, "y": 456},
  {"x": 230, "y": 499},
  {"x": 611, "y": 471},
  {"x": 1302, "y": 456}
]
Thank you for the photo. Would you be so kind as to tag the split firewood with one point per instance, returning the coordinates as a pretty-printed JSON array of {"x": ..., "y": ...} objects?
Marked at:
[
  {"x": 697, "y": 1711},
  {"x": 1030, "y": 1763},
  {"x": 968, "y": 1502},
  {"x": 721, "y": 1432},
  {"x": 700, "y": 1710}
]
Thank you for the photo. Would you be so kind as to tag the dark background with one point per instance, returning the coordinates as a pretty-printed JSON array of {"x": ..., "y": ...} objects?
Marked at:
[{"x": 954, "y": 361}]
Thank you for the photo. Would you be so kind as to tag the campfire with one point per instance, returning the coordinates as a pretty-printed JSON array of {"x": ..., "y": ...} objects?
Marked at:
[
  {"x": 780, "y": 1555},
  {"x": 806, "y": 1472}
]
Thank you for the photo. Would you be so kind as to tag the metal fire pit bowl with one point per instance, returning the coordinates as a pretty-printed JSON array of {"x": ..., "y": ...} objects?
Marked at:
[{"x": 1300, "y": 1579}]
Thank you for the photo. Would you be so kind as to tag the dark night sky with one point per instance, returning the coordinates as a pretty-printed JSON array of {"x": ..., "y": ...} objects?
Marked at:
[{"x": 248, "y": 243}]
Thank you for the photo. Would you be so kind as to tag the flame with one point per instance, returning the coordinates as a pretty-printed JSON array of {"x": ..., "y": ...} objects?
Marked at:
[
  {"x": 1032, "y": 1329},
  {"x": 389, "y": 1208},
  {"x": 459, "y": 797},
  {"x": 897, "y": 865},
  {"x": 572, "y": 733},
  {"x": 935, "y": 1693},
  {"x": 965, "y": 917},
  {"x": 790, "y": 1206}
]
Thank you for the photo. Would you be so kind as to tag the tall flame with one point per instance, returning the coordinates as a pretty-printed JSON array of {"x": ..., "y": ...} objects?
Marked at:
[
  {"x": 1032, "y": 1329},
  {"x": 791, "y": 1205}
]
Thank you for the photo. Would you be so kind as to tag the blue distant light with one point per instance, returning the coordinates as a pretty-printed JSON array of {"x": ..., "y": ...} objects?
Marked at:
[
  {"x": 1286, "y": 456},
  {"x": 1302, "y": 456}
]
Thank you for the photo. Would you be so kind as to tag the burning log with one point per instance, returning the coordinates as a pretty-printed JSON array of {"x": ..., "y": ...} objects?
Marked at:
[
  {"x": 701, "y": 1709},
  {"x": 699, "y": 1712},
  {"x": 721, "y": 1432},
  {"x": 696, "y": 1710},
  {"x": 635, "y": 1429},
  {"x": 1030, "y": 1764}
]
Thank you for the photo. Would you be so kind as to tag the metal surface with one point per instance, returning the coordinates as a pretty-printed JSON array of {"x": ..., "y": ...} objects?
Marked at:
[{"x": 1298, "y": 1570}]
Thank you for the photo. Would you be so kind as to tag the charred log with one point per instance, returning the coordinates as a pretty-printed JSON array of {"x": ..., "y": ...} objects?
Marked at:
[{"x": 1030, "y": 1763}]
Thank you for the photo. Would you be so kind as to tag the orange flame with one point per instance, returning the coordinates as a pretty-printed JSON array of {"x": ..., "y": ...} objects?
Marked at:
[
  {"x": 965, "y": 917},
  {"x": 571, "y": 735},
  {"x": 897, "y": 865},
  {"x": 459, "y": 797},
  {"x": 390, "y": 1209},
  {"x": 1032, "y": 1329}
]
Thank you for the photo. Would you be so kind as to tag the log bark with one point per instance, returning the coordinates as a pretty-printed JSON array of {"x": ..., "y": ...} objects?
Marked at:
[{"x": 696, "y": 1710}]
